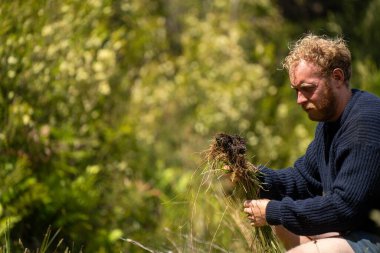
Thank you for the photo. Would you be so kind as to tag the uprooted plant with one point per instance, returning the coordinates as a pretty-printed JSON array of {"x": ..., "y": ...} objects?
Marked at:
[{"x": 227, "y": 156}]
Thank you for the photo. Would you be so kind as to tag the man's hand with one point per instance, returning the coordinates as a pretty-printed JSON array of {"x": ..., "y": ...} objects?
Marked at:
[{"x": 256, "y": 210}]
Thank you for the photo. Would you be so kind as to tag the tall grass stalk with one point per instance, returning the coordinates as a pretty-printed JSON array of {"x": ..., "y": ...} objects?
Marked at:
[
  {"x": 47, "y": 241},
  {"x": 7, "y": 239}
]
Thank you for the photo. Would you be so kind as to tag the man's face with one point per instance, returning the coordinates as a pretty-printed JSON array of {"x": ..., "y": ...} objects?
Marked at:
[{"x": 315, "y": 93}]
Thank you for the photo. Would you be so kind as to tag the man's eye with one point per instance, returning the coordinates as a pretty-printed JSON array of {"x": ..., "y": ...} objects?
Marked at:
[{"x": 308, "y": 89}]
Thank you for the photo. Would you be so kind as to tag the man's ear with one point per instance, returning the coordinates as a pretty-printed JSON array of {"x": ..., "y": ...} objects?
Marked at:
[{"x": 338, "y": 75}]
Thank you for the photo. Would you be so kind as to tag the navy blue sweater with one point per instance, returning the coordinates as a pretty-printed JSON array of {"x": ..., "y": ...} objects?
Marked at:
[{"x": 336, "y": 184}]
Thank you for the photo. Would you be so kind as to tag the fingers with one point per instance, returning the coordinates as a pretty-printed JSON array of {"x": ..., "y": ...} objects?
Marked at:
[
  {"x": 251, "y": 218},
  {"x": 248, "y": 206},
  {"x": 247, "y": 203},
  {"x": 250, "y": 215},
  {"x": 255, "y": 210}
]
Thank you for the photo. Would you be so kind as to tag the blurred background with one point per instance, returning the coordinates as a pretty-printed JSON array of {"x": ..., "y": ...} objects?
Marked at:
[{"x": 106, "y": 108}]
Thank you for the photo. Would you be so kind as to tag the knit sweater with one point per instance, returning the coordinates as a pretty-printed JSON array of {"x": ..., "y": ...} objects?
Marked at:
[{"x": 336, "y": 183}]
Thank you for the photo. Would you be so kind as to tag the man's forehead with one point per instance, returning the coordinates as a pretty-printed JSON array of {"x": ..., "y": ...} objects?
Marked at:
[
  {"x": 303, "y": 65},
  {"x": 303, "y": 68}
]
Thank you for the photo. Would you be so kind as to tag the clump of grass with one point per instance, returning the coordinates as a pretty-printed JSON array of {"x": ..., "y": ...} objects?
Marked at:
[
  {"x": 47, "y": 241},
  {"x": 227, "y": 155},
  {"x": 45, "y": 246}
]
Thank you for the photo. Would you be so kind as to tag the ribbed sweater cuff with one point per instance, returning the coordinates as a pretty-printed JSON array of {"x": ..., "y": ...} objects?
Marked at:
[{"x": 273, "y": 212}]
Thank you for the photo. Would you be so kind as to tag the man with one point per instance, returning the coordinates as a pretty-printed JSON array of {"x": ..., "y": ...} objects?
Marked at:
[{"x": 324, "y": 202}]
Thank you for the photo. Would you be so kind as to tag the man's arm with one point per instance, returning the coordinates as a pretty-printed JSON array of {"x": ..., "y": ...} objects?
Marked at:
[{"x": 355, "y": 188}]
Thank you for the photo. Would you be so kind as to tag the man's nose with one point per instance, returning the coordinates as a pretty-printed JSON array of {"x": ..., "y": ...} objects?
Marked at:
[{"x": 301, "y": 99}]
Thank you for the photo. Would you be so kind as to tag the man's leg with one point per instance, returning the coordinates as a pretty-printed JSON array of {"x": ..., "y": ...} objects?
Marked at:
[
  {"x": 288, "y": 239},
  {"x": 326, "y": 245},
  {"x": 329, "y": 242}
]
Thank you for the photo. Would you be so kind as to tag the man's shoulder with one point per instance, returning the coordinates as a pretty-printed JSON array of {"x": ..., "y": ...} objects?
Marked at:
[
  {"x": 366, "y": 99},
  {"x": 363, "y": 120},
  {"x": 365, "y": 106}
]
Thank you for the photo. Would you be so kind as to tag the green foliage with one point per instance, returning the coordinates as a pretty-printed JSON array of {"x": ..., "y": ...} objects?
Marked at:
[
  {"x": 58, "y": 128},
  {"x": 106, "y": 107}
]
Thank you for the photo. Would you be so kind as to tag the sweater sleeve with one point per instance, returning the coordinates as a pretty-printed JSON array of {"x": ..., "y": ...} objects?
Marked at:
[
  {"x": 300, "y": 182},
  {"x": 354, "y": 188}
]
